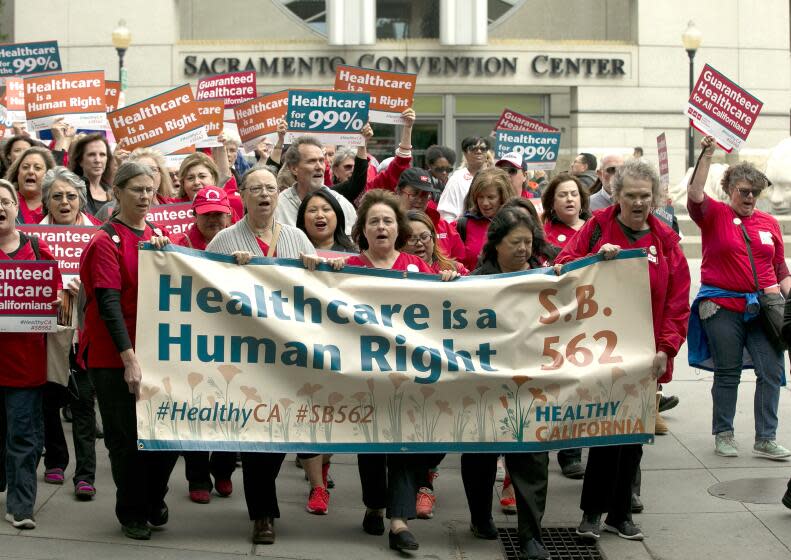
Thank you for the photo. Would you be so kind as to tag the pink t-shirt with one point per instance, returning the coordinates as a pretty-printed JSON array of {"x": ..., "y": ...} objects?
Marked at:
[{"x": 405, "y": 261}]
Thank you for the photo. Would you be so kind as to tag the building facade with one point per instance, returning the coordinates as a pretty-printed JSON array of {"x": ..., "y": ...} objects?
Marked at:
[{"x": 610, "y": 74}]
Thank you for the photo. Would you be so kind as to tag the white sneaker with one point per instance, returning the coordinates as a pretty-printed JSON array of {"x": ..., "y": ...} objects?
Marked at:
[
  {"x": 769, "y": 449},
  {"x": 725, "y": 445},
  {"x": 21, "y": 521},
  {"x": 500, "y": 469}
]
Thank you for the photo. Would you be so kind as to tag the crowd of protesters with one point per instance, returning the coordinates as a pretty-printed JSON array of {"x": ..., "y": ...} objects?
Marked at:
[{"x": 478, "y": 217}]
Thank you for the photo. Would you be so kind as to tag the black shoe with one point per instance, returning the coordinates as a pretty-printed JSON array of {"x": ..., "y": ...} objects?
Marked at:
[
  {"x": 159, "y": 515},
  {"x": 533, "y": 550},
  {"x": 787, "y": 498},
  {"x": 373, "y": 523},
  {"x": 590, "y": 527},
  {"x": 625, "y": 529},
  {"x": 137, "y": 531},
  {"x": 403, "y": 540},
  {"x": 574, "y": 470},
  {"x": 264, "y": 531},
  {"x": 484, "y": 529},
  {"x": 666, "y": 403},
  {"x": 637, "y": 504},
  {"x": 66, "y": 413}
]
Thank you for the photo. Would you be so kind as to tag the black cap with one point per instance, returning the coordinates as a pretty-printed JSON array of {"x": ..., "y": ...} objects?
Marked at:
[{"x": 417, "y": 178}]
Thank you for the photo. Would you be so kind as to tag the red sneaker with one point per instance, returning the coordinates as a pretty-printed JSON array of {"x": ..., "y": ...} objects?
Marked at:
[
  {"x": 508, "y": 500},
  {"x": 200, "y": 496},
  {"x": 425, "y": 503},
  {"x": 224, "y": 487},
  {"x": 318, "y": 501}
]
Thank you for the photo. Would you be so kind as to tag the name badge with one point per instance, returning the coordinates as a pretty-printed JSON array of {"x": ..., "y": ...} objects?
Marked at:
[
  {"x": 652, "y": 258},
  {"x": 766, "y": 237}
]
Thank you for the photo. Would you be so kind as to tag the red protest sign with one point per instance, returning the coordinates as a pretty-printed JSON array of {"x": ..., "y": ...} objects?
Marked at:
[
  {"x": 664, "y": 167},
  {"x": 112, "y": 91},
  {"x": 233, "y": 89},
  {"x": 77, "y": 96},
  {"x": 176, "y": 218},
  {"x": 718, "y": 106},
  {"x": 15, "y": 94},
  {"x": 258, "y": 117},
  {"x": 166, "y": 122},
  {"x": 511, "y": 120},
  {"x": 27, "y": 290},
  {"x": 391, "y": 92},
  {"x": 66, "y": 243},
  {"x": 210, "y": 114}
]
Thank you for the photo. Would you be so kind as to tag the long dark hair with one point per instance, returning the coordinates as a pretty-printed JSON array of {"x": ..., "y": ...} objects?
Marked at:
[
  {"x": 339, "y": 235},
  {"x": 540, "y": 244},
  {"x": 548, "y": 198},
  {"x": 77, "y": 151},
  {"x": 503, "y": 223}
]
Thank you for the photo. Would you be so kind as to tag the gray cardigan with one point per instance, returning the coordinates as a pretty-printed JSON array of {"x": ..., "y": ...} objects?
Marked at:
[{"x": 239, "y": 237}]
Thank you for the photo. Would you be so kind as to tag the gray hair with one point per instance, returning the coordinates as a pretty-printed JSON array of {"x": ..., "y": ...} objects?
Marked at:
[
  {"x": 64, "y": 175},
  {"x": 128, "y": 171},
  {"x": 260, "y": 167},
  {"x": 291, "y": 157},
  {"x": 342, "y": 154},
  {"x": 639, "y": 171},
  {"x": 744, "y": 171}
]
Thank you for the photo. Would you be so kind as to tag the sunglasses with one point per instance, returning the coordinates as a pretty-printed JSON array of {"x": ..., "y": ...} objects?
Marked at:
[
  {"x": 442, "y": 169},
  {"x": 512, "y": 170},
  {"x": 477, "y": 149},
  {"x": 744, "y": 193}
]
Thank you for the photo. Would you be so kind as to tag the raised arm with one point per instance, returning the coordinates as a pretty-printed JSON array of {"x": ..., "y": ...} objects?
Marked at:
[{"x": 697, "y": 182}]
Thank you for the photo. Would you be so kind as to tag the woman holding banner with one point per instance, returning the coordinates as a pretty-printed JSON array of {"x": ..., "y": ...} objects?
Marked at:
[
  {"x": 423, "y": 243},
  {"x": 108, "y": 269},
  {"x": 391, "y": 481},
  {"x": 630, "y": 224},
  {"x": 566, "y": 207},
  {"x": 323, "y": 221},
  {"x": 26, "y": 174},
  {"x": 490, "y": 189},
  {"x": 743, "y": 269},
  {"x": 259, "y": 234},
  {"x": 89, "y": 158}
]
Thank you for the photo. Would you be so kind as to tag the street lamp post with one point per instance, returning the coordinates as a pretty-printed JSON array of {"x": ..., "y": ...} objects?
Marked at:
[
  {"x": 122, "y": 37},
  {"x": 691, "y": 39}
]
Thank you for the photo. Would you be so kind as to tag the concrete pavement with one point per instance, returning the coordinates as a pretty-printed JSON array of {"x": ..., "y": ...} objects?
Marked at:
[{"x": 682, "y": 519}]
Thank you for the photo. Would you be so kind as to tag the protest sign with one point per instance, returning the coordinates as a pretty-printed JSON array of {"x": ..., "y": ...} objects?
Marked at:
[
  {"x": 233, "y": 89},
  {"x": 112, "y": 92},
  {"x": 66, "y": 243},
  {"x": 539, "y": 149},
  {"x": 14, "y": 100},
  {"x": 664, "y": 167},
  {"x": 511, "y": 120},
  {"x": 166, "y": 122},
  {"x": 78, "y": 97},
  {"x": 391, "y": 92},
  {"x": 258, "y": 118},
  {"x": 336, "y": 117},
  {"x": 29, "y": 58},
  {"x": 718, "y": 106},
  {"x": 210, "y": 114},
  {"x": 176, "y": 218},
  {"x": 27, "y": 290},
  {"x": 273, "y": 357}
]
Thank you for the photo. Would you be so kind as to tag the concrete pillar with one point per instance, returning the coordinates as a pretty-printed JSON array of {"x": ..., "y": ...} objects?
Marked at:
[
  {"x": 351, "y": 22},
  {"x": 463, "y": 22}
]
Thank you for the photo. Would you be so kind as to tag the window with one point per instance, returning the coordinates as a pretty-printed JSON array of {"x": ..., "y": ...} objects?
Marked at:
[
  {"x": 312, "y": 12},
  {"x": 498, "y": 9},
  {"x": 404, "y": 19}
]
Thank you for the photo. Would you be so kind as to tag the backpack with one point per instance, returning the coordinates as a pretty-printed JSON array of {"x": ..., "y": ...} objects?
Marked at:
[{"x": 461, "y": 228}]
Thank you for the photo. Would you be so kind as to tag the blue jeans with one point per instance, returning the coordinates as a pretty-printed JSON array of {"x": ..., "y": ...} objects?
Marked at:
[
  {"x": 728, "y": 335},
  {"x": 21, "y": 440}
]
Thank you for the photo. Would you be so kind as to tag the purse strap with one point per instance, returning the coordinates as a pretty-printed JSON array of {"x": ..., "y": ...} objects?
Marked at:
[
  {"x": 748, "y": 243},
  {"x": 273, "y": 245}
]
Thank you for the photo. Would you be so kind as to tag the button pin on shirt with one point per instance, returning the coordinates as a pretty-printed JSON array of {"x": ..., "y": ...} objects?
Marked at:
[
  {"x": 561, "y": 238},
  {"x": 737, "y": 221}
]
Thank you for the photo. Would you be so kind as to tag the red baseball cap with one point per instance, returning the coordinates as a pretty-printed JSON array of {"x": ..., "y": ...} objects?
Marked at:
[{"x": 211, "y": 199}]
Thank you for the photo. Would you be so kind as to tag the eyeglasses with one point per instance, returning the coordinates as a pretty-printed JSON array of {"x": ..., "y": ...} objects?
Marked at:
[
  {"x": 7, "y": 203},
  {"x": 256, "y": 190},
  {"x": 58, "y": 197},
  {"x": 424, "y": 238},
  {"x": 744, "y": 193},
  {"x": 414, "y": 195},
  {"x": 512, "y": 170},
  {"x": 140, "y": 190},
  {"x": 441, "y": 169},
  {"x": 480, "y": 148}
]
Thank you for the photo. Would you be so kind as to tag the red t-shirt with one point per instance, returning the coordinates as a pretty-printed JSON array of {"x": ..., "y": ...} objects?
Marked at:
[
  {"x": 265, "y": 247},
  {"x": 30, "y": 216},
  {"x": 726, "y": 263},
  {"x": 558, "y": 233},
  {"x": 192, "y": 238},
  {"x": 23, "y": 360},
  {"x": 475, "y": 232},
  {"x": 405, "y": 261},
  {"x": 105, "y": 265}
]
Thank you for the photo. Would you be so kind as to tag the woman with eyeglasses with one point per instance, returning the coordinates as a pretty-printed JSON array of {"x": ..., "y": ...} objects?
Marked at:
[
  {"x": 566, "y": 207},
  {"x": 743, "y": 257},
  {"x": 423, "y": 243},
  {"x": 162, "y": 182},
  {"x": 109, "y": 273},
  {"x": 451, "y": 203}
]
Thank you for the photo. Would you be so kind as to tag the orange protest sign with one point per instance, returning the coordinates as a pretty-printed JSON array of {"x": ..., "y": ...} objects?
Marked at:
[
  {"x": 391, "y": 92},
  {"x": 15, "y": 94},
  {"x": 112, "y": 91},
  {"x": 167, "y": 122},
  {"x": 258, "y": 117},
  {"x": 210, "y": 114},
  {"x": 76, "y": 96}
]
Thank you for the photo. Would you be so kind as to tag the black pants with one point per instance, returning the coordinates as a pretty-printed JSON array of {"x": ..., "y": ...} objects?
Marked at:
[
  {"x": 141, "y": 477},
  {"x": 529, "y": 473},
  {"x": 259, "y": 474},
  {"x": 56, "y": 455},
  {"x": 198, "y": 465},
  {"x": 83, "y": 426},
  {"x": 392, "y": 480},
  {"x": 608, "y": 481}
]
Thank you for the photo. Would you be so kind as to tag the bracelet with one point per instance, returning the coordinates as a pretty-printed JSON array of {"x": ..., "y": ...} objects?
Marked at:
[
  {"x": 407, "y": 148},
  {"x": 403, "y": 153}
]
